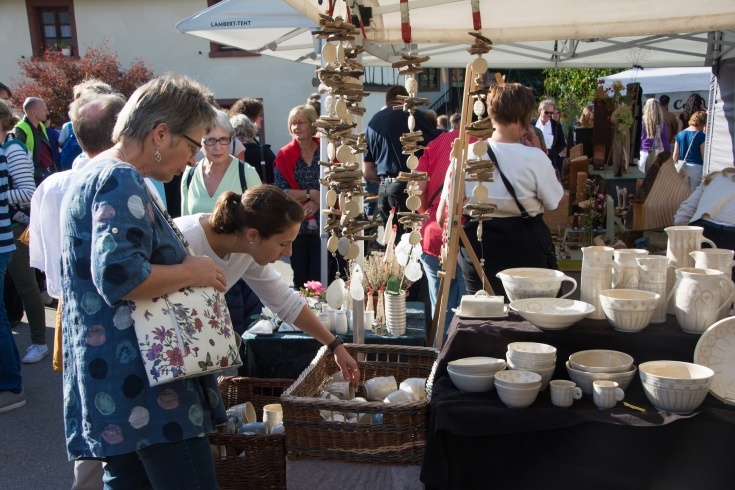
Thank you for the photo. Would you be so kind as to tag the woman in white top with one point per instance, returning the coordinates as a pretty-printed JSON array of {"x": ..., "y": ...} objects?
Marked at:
[
  {"x": 507, "y": 240},
  {"x": 216, "y": 173},
  {"x": 244, "y": 235}
]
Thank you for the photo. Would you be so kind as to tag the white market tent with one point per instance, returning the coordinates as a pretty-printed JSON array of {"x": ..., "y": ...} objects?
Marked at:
[
  {"x": 666, "y": 80},
  {"x": 575, "y": 33}
]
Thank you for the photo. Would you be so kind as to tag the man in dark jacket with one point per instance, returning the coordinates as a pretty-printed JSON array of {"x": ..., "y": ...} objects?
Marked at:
[
  {"x": 552, "y": 130},
  {"x": 32, "y": 132}
]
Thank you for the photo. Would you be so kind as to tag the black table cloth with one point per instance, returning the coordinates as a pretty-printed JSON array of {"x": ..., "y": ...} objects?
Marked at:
[
  {"x": 474, "y": 441},
  {"x": 287, "y": 355}
]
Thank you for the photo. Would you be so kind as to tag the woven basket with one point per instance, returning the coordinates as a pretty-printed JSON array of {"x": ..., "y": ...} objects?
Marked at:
[
  {"x": 399, "y": 439},
  {"x": 263, "y": 460}
]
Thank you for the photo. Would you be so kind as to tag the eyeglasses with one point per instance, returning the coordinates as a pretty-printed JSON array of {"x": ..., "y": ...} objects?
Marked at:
[
  {"x": 299, "y": 123},
  {"x": 224, "y": 141},
  {"x": 197, "y": 146},
  {"x": 548, "y": 113}
]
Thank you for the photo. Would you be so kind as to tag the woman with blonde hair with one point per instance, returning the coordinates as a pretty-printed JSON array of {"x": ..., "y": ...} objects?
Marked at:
[
  {"x": 689, "y": 147},
  {"x": 654, "y": 133},
  {"x": 297, "y": 173}
]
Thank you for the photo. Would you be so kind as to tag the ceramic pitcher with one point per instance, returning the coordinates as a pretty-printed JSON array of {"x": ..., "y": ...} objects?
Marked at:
[
  {"x": 652, "y": 277},
  {"x": 599, "y": 271},
  {"x": 627, "y": 260},
  {"x": 682, "y": 240},
  {"x": 699, "y": 295},
  {"x": 720, "y": 259}
]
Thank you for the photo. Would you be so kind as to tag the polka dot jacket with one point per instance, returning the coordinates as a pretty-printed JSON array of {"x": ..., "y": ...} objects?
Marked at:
[{"x": 111, "y": 234}]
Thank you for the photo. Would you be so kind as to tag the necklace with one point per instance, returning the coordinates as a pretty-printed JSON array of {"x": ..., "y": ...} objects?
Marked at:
[{"x": 122, "y": 153}]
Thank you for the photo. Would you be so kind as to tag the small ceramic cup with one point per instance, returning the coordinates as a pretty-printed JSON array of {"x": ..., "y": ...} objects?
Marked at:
[
  {"x": 606, "y": 394},
  {"x": 246, "y": 411},
  {"x": 563, "y": 392},
  {"x": 415, "y": 386},
  {"x": 376, "y": 389},
  {"x": 341, "y": 389},
  {"x": 399, "y": 396},
  {"x": 272, "y": 416}
]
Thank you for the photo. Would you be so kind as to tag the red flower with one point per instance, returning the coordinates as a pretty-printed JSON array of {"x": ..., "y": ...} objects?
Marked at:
[
  {"x": 175, "y": 357},
  {"x": 198, "y": 324},
  {"x": 224, "y": 362}
]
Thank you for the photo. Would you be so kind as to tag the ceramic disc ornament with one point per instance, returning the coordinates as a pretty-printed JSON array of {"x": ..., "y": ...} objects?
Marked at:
[
  {"x": 341, "y": 53},
  {"x": 336, "y": 293},
  {"x": 414, "y": 238},
  {"x": 412, "y": 162},
  {"x": 342, "y": 112},
  {"x": 343, "y": 247},
  {"x": 344, "y": 153},
  {"x": 329, "y": 104},
  {"x": 479, "y": 65},
  {"x": 330, "y": 151},
  {"x": 413, "y": 271},
  {"x": 331, "y": 198},
  {"x": 480, "y": 193},
  {"x": 351, "y": 209},
  {"x": 357, "y": 290},
  {"x": 354, "y": 251},
  {"x": 412, "y": 86},
  {"x": 479, "y": 148},
  {"x": 332, "y": 244},
  {"x": 411, "y": 122},
  {"x": 478, "y": 108},
  {"x": 413, "y": 203},
  {"x": 329, "y": 53}
]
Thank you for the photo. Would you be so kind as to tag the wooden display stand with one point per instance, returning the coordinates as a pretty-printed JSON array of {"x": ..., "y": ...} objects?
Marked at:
[{"x": 455, "y": 233}]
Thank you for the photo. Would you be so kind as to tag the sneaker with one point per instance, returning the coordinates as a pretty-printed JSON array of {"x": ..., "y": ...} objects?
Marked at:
[
  {"x": 35, "y": 353},
  {"x": 10, "y": 400}
]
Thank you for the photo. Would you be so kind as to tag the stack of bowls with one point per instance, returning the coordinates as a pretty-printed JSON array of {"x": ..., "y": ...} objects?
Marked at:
[
  {"x": 587, "y": 366},
  {"x": 533, "y": 357},
  {"x": 474, "y": 374},
  {"x": 517, "y": 389},
  {"x": 675, "y": 386}
]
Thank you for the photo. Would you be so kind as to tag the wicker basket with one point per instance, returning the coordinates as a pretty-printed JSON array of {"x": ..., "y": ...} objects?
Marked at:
[
  {"x": 263, "y": 461},
  {"x": 399, "y": 439}
]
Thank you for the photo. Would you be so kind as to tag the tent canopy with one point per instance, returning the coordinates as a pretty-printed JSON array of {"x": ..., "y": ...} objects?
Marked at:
[
  {"x": 575, "y": 33},
  {"x": 666, "y": 80}
]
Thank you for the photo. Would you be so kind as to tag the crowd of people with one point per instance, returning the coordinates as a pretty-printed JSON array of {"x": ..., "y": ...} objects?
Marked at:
[{"x": 108, "y": 186}]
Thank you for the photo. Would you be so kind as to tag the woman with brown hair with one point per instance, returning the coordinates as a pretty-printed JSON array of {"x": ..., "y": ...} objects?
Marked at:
[
  {"x": 297, "y": 174},
  {"x": 689, "y": 146}
]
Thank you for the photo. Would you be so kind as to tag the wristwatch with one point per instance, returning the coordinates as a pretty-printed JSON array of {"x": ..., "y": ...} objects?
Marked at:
[
  {"x": 335, "y": 343},
  {"x": 308, "y": 194}
]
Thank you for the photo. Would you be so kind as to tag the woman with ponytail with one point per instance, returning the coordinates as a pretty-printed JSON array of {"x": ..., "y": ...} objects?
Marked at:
[{"x": 244, "y": 235}]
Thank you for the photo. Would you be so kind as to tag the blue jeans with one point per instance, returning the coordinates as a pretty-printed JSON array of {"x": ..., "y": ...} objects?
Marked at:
[
  {"x": 432, "y": 266},
  {"x": 180, "y": 465},
  {"x": 10, "y": 379}
]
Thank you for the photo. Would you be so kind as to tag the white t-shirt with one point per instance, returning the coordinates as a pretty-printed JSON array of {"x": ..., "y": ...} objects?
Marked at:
[
  {"x": 265, "y": 282},
  {"x": 548, "y": 133}
]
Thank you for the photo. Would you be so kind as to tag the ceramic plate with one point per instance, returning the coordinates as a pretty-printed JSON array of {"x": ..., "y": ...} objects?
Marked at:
[
  {"x": 716, "y": 350},
  {"x": 459, "y": 314}
]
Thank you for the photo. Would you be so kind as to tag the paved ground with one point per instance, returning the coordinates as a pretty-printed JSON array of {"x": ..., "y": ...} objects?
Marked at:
[{"x": 32, "y": 446}]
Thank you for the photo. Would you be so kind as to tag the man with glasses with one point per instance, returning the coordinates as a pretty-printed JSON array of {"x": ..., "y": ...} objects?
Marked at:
[{"x": 553, "y": 131}]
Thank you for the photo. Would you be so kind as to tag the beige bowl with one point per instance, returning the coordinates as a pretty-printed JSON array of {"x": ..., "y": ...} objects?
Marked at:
[
  {"x": 531, "y": 282},
  {"x": 514, "y": 397},
  {"x": 517, "y": 379},
  {"x": 552, "y": 313},
  {"x": 524, "y": 364},
  {"x": 471, "y": 383},
  {"x": 675, "y": 386},
  {"x": 584, "y": 379},
  {"x": 531, "y": 351},
  {"x": 545, "y": 373},
  {"x": 601, "y": 361},
  {"x": 628, "y": 310}
]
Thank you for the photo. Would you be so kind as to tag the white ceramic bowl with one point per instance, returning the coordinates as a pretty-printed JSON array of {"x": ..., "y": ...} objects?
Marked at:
[
  {"x": 514, "y": 397},
  {"x": 531, "y": 282},
  {"x": 545, "y": 373},
  {"x": 675, "y": 386},
  {"x": 517, "y": 379},
  {"x": 628, "y": 310},
  {"x": 471, "y": 383},
  {"x": 552, "y": 313},
  {"x": 584, "y": 379},
  {"x": 531, "y": 351},
  {"x": 477, "y": 365},
  {"x": 522, "y": 363},
  {"x": 601, "y": 361}
]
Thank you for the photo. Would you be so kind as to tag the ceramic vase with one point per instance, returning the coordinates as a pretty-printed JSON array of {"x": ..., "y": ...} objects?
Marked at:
[
  {"x": 599, "y": 271},
  {"x": 682, "y": 240},
  {"x": 652, "y": 277},
  {"x": 699, "y": 295},
  {"x": 395, "y": 312},
  {"x": 626, "y": 258}
]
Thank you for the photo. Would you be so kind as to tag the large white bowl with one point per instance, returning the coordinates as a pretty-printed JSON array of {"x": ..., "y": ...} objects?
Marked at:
[
  {"x": 584, "y": 379},
  {"x": 471, "y": 383},
  {"x": 531, "y": 282},
  {"x": 675, "y": 386},
  {"x": 552, "y": 313},
  {"x": 531, "y": 351},
  {"x": 601, "y": 361},
  {"x": 514, "y": 397},
  {"x": 628, "y": 310},
  {"x": 477, "y": 365}
]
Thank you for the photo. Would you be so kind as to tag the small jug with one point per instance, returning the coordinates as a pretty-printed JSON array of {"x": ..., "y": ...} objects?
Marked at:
[
  {"x": 627, "y": 260},
  {"x": 699, "y": 297},
  {"x": 340, "y": 326},
  {"x": 682, "y": 240},
  {"x": 720, "y": 259},
  {"x": 599, "y": 271},
  {"x": 652, "y": 277}
]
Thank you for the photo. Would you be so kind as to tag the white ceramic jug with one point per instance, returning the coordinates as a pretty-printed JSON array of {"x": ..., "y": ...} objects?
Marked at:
[
  {"x": 652, "y": 277},
  {"x": 599, "y": 271},
  {"x": 699, "y": 295},
  {"x": 682, "y": 240},
  {"x": 627, "y": 259},
  {"x": 720, "y": 259}
]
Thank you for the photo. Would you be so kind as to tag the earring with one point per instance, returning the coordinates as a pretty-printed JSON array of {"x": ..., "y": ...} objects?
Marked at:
[{"x": 157, "y": 157}]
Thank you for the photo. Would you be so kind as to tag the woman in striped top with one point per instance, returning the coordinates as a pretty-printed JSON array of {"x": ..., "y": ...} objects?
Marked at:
[{"x": 21, "y": 187}]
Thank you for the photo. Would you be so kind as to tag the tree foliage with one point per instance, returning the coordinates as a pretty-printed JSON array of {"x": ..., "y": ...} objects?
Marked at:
[
  {"x": 573, "y": 89},
  {"x": 53, "y": 76}
]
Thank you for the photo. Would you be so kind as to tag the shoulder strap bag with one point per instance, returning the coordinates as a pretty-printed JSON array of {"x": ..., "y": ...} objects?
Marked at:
[
  {"x": 535, "y": 223},
  {"x": 680, "y": 163},
  {"x": 186, "y": 333}
]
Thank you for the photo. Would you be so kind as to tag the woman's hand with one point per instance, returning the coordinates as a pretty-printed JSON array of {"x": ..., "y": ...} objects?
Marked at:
[
  {"x": 530, "y": 138},
  {"x": 347, "y": 365},
  {"x": 311, "y": 208},
  {"x": 206, "y": 272}
]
